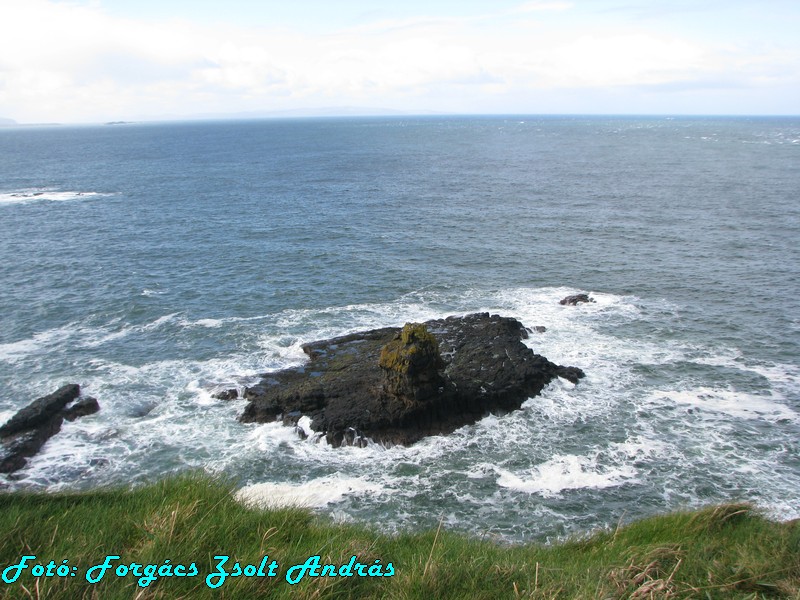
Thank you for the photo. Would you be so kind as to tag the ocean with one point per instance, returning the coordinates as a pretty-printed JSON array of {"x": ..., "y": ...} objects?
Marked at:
[{"x": 156, "y": 264}]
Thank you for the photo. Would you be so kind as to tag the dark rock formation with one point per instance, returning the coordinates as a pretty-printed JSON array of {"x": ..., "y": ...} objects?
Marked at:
[
  {"x": 411, "y": 365},
  {"x": 231, "y": 394},
  {"x": 576, "y": 299},
  {"x": 27, "y": 431},
  {"x": 398, "y": 385},
  {"x": 572, "y": 374},
  {"x": 41, "y": 411},
  {"x": 83, "y": 407}
]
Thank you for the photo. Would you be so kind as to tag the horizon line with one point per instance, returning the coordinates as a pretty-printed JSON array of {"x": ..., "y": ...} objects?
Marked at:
[{"x": 312, "y": 114}]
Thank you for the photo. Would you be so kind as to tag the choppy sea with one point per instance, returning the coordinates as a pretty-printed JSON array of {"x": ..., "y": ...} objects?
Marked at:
[{"x": 155, "y": 264}]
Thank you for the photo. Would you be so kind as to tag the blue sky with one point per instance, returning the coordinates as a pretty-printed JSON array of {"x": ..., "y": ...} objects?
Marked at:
[{"x": 99, "y": 60}]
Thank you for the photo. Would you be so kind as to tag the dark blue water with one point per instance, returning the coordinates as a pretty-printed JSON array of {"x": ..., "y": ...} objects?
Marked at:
[{"x": 157, "y": 263}]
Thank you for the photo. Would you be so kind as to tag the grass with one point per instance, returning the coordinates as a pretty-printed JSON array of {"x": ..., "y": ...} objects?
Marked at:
[{"x": 728, "y": 551}]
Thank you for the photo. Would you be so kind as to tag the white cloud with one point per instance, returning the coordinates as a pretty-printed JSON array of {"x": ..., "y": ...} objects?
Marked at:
[
  {"x": 72, "y": 62},
  {"x": 537, "y": 6},
  {"x": 625, "y": 59}
]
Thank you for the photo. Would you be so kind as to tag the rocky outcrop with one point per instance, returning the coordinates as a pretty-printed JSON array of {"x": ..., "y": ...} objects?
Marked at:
[
  {"x": 83, "y": 407},
  {"x": 229, "y": 394},
  {"x": 396, "y": 386},
  {"x": 576, "y": 299},
  {"x": 27, "y": 431},
  {"x": 411, "y": 365}
]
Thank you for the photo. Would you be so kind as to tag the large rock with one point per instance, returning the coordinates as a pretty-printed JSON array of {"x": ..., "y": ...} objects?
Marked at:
[
  {"x": 23, "y": 435},
  {"x": 396, "y": 386},
  {"x": 41, "y": 411}
]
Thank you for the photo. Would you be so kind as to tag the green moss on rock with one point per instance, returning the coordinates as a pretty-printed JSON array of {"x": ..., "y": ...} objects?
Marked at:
[{"x": 412, "y": 351}]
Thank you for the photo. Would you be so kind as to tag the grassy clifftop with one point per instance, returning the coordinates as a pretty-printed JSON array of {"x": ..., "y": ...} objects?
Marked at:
[{"x": 167, "y": 540}]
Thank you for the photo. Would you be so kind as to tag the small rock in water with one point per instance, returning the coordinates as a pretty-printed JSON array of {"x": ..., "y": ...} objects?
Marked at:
[
  {"x": 83, "y": 407},
  {"x": 576, "y": 299},
  {"x": 572, "y": 374}
]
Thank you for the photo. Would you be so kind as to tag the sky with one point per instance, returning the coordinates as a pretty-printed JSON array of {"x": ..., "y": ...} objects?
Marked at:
[{"x": 85, "y": 61}]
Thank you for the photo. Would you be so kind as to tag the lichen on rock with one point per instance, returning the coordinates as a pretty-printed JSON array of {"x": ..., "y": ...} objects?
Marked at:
[
  {"x": 412, "y": 351},
  {"x": 411, "y": 364}
]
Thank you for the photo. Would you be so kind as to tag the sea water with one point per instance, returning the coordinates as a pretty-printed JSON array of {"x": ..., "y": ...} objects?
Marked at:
[{"x": 156, "y": 264}]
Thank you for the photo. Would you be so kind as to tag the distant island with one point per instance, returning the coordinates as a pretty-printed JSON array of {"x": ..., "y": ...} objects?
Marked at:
[{"x": 7, "y": 122}]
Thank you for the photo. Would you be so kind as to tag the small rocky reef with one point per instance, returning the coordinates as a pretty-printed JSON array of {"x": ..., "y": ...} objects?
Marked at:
[
  {"x": 576, "y": 299},
  {"x": 26, "y": 432},
  {"x": 398, "y": 385}
]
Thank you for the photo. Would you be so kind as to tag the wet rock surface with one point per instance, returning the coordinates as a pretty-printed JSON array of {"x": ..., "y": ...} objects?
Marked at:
[
  {"x": 576, "y": 299},
  {"x": 24, "y": 434},
  {"x": 229, "y": 394},
  {"x": 396, "y": 386}
]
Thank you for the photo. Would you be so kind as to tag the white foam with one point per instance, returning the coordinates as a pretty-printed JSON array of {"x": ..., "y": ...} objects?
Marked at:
[
  {"x": 159, "y": 322},
  {"x": 180, "y": 425},
  {"x": 15, "y": 350},
  {"x": 28, "y": 195},
  {"x": 93, "y": 337},
  {"x": 202, "y": 395},
  {"x": 86, "y": 337},
  {"x": 565, "y": 472},
  {"x": 97, "y": 337},
  {"x": 730, "y": 402},
  {"x": 18, "y": 350},
  {"x": 210, "y": 323},
  {"x": 267, "y": 437},
  {"x": 316, "y": 493},
  {"x": 216, "y": 323},
  {"x": 569, "y": 326},
  {"x": 304, "y": 424},
  {"x": 776, "y": 373}
]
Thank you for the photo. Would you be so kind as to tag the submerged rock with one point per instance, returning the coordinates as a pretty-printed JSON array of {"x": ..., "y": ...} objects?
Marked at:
[
  {"x": 23, "y": 435},
  {"x": 396, "y": 386}
]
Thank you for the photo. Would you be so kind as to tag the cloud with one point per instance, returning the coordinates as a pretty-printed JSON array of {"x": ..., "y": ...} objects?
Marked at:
[
  {"x": 74, "y": 62},
  {"x": 67, "y": 61},
  {"x": 626, "y": 58},
  {"x": 537, "y": 6}
]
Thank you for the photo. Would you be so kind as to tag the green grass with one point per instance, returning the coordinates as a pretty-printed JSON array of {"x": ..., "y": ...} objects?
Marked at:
[{"x": 727, "y": 551}]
